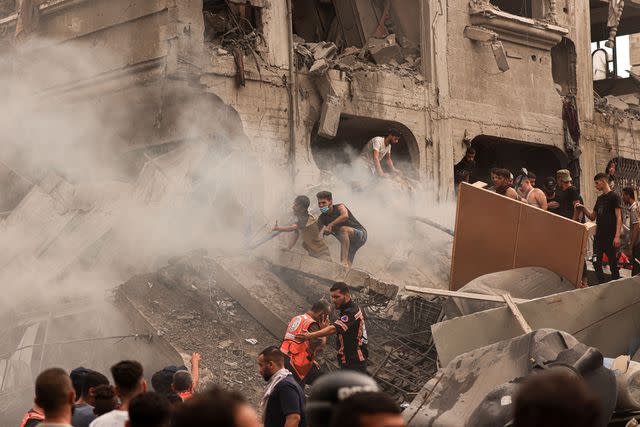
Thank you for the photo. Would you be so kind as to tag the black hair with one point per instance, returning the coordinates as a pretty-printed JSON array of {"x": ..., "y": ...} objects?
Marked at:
[
  {"x": 149, "y": 410},
  {"x": 471, "y": 150},
  {"x": 601, "y": 176},
  {"x": 324, "y": 195},
  {"x": 394, "y": 132},
  {"x": 340, "y": 286},
  {"x": 349, "y": 411},
  {"x": 78, "y": 376},
  {"x": 52, "y": 389},
  {"x": 214, "y": 407},
  {"x": 555, "y": 399},
  {"x": 104, "y": 397},
  {"x": 272, "y": 354},
  {"x": 161, "y": 382},
  {"x": 127, "y": 375},
  {"x": 504, "y": 173},
  {"x": 531, "y": 175},
  {"x": 320, "y": 306},
  {"x": 182, "y": 381},
  {"x": 629, "y": 191},
  {"x": 92, "y": 380},
  {"x": 303, "y": 202}
]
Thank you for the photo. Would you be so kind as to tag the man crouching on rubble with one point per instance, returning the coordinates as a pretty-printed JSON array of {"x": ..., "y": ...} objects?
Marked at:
[
  {"x": 339, "y": 221},
  {"x": 307, "y": 226}
]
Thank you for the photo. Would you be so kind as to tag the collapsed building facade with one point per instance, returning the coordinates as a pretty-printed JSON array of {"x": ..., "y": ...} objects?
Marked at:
[
  {"x": 302, "y": 85},
  {"x": 300, "y": 91}
]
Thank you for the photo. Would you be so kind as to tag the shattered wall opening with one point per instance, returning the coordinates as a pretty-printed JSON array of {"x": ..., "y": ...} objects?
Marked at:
[
  {"x": 315, "y": 20},
  {"x": 353, "y": 133},
  {"x": 514, "y": 155},
  {"x": 228, "y": 21},
  {"x": 515, "y": 7},
  {"x": 563, "y": 66}
]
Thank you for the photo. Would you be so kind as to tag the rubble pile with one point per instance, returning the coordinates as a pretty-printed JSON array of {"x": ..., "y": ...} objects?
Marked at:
[{"x": 627, "y": 105}]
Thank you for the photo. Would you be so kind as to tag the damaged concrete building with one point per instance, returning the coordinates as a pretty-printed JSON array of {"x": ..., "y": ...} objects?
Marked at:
[{"x": 299, "y": 91}]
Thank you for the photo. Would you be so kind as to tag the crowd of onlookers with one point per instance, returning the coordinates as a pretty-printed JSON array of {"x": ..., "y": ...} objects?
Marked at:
[
  {"x": 613, "y": 242},
  {"x": 342, "y": 398}
]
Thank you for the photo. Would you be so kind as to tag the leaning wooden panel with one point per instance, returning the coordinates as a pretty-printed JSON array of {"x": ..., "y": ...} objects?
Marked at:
[
  {"x": 485, "y": 235},
  {"x": 495, "y": 233}
]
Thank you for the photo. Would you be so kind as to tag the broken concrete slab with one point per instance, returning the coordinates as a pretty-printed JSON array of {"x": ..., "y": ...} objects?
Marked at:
[
  {"x": 481, "y": 34},
  {"x": 330, "y": 117},
  {"x": 384, "y": 51},
  {"x": 582, "y": 312},
  {"x": 324, "y": 50},
  {"x": 319, "y": 67},
  {"x": 630, "y": 99},
  {"x": 616, "y": 102}
]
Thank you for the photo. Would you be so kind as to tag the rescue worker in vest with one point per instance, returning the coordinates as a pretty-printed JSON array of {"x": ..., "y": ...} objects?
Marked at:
[
  {"x": 350, "y": 329},
  {"x": 301, "y": 354}
]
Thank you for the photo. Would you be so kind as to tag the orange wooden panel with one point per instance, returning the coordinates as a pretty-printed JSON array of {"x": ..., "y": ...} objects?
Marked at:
[{"x": 495, "y": 233}]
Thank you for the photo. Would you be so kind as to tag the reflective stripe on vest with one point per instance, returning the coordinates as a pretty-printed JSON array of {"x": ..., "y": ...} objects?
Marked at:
[{"x": 298, "y": 352}]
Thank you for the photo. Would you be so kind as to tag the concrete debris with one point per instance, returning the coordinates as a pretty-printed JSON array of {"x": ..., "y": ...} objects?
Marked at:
[
  {"x": 319, "y": 67},
  {"x": 616, "y": 103},
  {"x": 630, "y": 99},
  {"x": 324, "y": 50},
  {"x": 330, "y": 117},
  {"x": 384, "y": 51}
]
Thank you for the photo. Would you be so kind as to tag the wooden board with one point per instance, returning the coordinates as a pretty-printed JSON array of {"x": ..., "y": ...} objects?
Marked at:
[{"x": 495, "y": 233}]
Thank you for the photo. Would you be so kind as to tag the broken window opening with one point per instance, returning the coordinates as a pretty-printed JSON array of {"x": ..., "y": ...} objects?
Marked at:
[
  {"x": 514, "y": 155},
  {"x": 232, "y": 24},
  {"x": 338, "y": 154},
  {"x": 389, "y": 32},
  {"x": 522, "y": 8},
  {"x": 563, "y": 67}
]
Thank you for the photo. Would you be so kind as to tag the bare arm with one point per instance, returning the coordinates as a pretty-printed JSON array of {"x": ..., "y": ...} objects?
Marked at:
[
  {"x": 292, "y": 420},
  {"x": 576, "y": 211},
  {"x": 512, "y": 194},
  {"x": 589, "y": 214},
  {"x": 377, "y": 165},
  {"x": 390, "y": 163},
  {"x": 541, "y": 199},
  {"x": 294, "y": 239},
  {"x": 195, "y": 370},
  {"x": 324, "y": 332},
  {"x": 285, "y": 228},
  {"x": 344, "y": 215}
]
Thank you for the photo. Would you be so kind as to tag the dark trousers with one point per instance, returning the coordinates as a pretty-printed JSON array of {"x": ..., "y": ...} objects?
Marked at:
[
  {"x": 311, "y": 376},
  {"x": 635, "y": 254},
  {"x": 357, "y": 366},
  {"x": 605, "y": 246}
]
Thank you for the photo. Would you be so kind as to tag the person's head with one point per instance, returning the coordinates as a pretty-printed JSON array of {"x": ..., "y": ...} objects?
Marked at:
[
  {"x": 301, "y": 205},
  {"x": 393, "y": 136},
  {"x": 320, "y": 309},
  {"x": 128, "y": 379},
  {"x": 78, "y": 376},
  {"x": 161, "y": 382},
  {"x": 500, "y": 177},
  {"x": 104, "y": 400},
  {"x": 92, "y": 380},
  {"x": 470, "y": 155},
  {"x": 149, "y": 410},
  {"x": 523, "y": 183},
  {"x": 325, "y": 201},
  {"x": 532, "y": 178},
  {"x": 563, "y": 178},
  {"x": 270, "y": 361},
  {"x": 549, "y": 185},
  {"x": 628, "y": 195},
  {"x": 367, "y": 409},
  {"x": 555, "y": 399},
  {"x": 601, "y": 182},
  {"x": 340, "y": 294},
  {"x": 611, "y": 167},
  {"x": 182, "y": 382},
  {"x": 55, "y": 395},
  {"x": 215, "y": 407}
]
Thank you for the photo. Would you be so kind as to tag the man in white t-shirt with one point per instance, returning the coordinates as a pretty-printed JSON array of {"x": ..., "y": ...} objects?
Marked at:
[
  {"x": 379, "y": 148},
  {"x": 127, "y": 376}
]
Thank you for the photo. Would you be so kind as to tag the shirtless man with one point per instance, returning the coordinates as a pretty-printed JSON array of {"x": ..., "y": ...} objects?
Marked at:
[{"x": 529, "y": 194}]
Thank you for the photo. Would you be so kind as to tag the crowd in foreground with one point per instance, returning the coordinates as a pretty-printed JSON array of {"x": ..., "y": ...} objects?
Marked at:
[{"x": 343, "y": 398}]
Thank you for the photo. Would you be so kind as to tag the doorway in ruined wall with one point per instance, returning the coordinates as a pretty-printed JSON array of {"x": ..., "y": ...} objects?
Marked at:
[
  {"x": 353, "y": 133},
  {"x": 514, "y": 155}
]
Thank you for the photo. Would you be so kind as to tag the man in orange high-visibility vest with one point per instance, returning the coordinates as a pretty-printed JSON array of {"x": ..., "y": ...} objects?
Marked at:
[{"x": 300, "y": 358}]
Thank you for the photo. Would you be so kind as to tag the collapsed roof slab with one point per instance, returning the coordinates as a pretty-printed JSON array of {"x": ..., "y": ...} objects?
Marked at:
[{"x": 589, "y": 314}]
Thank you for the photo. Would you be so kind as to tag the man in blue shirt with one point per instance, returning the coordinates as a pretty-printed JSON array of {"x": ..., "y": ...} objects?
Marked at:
[{"x": 283, "y": 401}]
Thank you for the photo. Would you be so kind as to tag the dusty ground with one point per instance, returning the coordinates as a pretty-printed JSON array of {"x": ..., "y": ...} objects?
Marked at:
[{"x": 215, "y": 326}]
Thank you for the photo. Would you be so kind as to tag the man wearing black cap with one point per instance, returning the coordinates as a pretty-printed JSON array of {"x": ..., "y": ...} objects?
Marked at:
[{"x": 379, "y": 148}]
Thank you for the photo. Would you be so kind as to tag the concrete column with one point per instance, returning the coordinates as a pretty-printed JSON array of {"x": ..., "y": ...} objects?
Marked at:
[
  {"x": 274, "y": 21},
  {"x": 581, "y": 36},
  {"x": 634, "y": 51}
]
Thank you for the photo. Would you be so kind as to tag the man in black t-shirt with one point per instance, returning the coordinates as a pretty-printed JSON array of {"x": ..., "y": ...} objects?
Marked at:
[
  {"x": 608, "y": 216},
  {"x": 350, "y": 329},
  {"x": 339, "y": 221}
]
